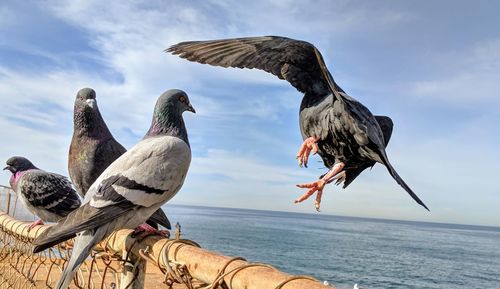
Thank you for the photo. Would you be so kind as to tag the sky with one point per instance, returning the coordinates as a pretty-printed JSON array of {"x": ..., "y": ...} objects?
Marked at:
[{"x": 432, "y": 66}]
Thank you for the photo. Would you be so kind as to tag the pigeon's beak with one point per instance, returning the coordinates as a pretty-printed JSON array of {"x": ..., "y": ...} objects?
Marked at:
[
  {"x": 191, "y": 108},
  {"x": 7, "y": 168},
  {"x": 91, "y": 102}
]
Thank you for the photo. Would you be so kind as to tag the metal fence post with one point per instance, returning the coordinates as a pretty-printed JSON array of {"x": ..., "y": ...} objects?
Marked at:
[{"x": 133, "y": 273}]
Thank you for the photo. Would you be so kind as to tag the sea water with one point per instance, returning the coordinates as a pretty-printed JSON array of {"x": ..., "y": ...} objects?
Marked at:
[{"x": 343, "y": 251}]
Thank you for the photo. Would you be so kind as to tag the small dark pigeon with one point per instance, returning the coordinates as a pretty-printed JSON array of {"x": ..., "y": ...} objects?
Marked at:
[
  {"x": 47, "y": 195},
  {"x": 93, "y": 148},
  {"x": 132, "y": 188},
  {"x": 346, "y": 135}
]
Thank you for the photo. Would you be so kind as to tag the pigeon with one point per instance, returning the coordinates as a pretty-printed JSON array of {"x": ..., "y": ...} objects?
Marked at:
[
  {"x": 133, "y": 187},
  {"x": 93, "y": 148},
  {"x": 346, "y": 135},
  {"x": 49, "y": 196}
]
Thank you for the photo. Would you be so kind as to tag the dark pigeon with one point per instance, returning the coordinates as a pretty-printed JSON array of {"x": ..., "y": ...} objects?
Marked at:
[
  {"x": 47, "y": 195},
  {"x": 342, "y": 130},
  {"x": 93, "y": 148},
  {"x": 132, "y": 188}
]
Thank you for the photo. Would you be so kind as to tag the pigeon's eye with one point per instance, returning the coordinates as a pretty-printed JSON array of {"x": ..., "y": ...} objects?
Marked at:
[{"x": 182, "y": 99}]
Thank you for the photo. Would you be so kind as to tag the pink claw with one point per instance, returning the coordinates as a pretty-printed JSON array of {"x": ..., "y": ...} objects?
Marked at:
[
  {"x": 34, "y": 224},
  {"x": 309, "y": 145},
  {"x": 146, "y": 230}
]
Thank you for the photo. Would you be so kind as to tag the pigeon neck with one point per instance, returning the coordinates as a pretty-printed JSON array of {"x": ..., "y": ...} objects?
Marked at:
[
  {"x": 170, "y": 123},
  {"x": 89, "y": 122},
  {"x": 16, "y": 176}
]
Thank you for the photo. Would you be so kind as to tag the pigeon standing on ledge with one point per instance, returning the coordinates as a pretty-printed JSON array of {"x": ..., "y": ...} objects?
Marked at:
[
  {"x": 47, "y": 195},
  {"x": 339, "y": 128},
  {"x": 134, "y": 186},
  {"x": 93, "y": 148}
]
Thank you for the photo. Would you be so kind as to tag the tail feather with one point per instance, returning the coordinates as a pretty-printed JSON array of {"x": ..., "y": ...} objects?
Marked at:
[
  {"x": 84, "y": 218},
  {"x": 160, "y": 218},
  {"x": 81, "y": 250},
  {"x": 52, "y": 242},
  {"x": 400, "y": 181}
]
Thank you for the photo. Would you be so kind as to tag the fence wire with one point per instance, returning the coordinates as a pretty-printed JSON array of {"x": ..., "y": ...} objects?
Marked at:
[
  {"x": 123, "y": 262},
  {"x": 21, "y": 269}
]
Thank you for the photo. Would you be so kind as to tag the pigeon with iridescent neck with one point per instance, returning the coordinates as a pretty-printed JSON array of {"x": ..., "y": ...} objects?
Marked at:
[
  {"x": 93, "y": 148},
  {"x": 47, "y": 195},
  {"x": 132, "y": 188}
]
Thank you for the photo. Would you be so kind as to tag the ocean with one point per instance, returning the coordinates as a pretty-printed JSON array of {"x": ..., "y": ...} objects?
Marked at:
[{"x": 343, "y": 250}]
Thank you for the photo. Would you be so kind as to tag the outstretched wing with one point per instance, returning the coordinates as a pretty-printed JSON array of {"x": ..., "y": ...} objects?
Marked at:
[
  {"x": 49, "y": 191},
  {"x": 298, "y": 62}
]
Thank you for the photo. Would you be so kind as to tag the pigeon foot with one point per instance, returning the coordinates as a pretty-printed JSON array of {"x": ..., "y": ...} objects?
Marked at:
[
  {"x": 34, "y": 224},
  {"x": 310, "y": 144},
  {"x": 145, "y": 230},
  {"x": 313, "y": 187},
  {"x": 319, "y": 185}
]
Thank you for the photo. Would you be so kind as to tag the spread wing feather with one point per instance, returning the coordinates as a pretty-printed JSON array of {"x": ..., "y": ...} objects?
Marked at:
[{"x": 296, "y": 61}]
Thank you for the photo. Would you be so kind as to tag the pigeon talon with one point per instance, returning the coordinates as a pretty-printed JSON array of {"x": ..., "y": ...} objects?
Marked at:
[
  {"x": 318, "y": 200},
  {"x": 307, "y": 146},
  {"x": 145, "y": 230},
  {"x": 34, "y": 224},
  {"x": 299, "y": 159},
  {"x": 313, "y": 187}
]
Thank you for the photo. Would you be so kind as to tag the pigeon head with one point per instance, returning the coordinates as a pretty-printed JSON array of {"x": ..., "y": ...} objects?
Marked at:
[
  {"x": 87, "y": 119},
  {"x": 86, "y": 98},
  {"x": 167, "y": 116},
  {"x": 18, "y": 164},
  {"x": 173, "y": 101}
]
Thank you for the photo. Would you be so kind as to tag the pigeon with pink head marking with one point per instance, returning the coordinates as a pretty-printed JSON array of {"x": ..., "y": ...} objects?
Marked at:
[{"x": 48, "y": 195}]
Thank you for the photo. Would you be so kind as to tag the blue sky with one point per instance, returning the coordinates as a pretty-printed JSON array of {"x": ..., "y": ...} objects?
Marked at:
[{"x": 432, "y": 66}]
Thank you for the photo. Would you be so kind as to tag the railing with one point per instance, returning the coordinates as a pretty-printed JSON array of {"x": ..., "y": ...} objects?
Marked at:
[{"x": 123, "y": 262}]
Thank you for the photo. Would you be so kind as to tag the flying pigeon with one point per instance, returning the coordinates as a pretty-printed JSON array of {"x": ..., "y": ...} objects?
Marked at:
[
  {"x": 346, "y": 135},
  {"x": 47, "y": 195},
  {"x": 93, "y": 148},
  {"x": 133, "y": 187}
]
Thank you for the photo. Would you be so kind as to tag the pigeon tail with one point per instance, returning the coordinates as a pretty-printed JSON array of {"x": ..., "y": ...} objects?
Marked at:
[
  {"x": 84, "y": 218},
  {"x": 399, "y": 180},
  {"x": 83, "y": 245},
  {"x": 160, "y": 218}
]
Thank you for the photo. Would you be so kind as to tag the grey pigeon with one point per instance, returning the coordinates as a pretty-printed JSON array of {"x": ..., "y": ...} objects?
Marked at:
[
  {"x": 134, "y": 186},
  {"x": 340, "y": 129},
  {"x": 93, "y": 148},
  {"x": 47, "y": 195}
]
